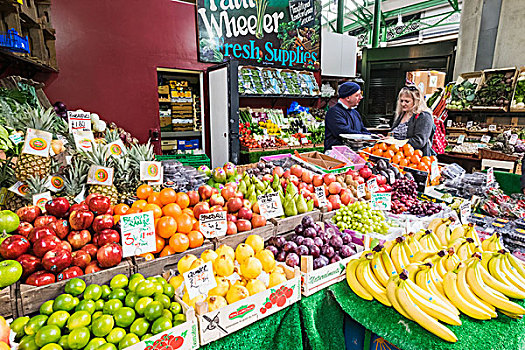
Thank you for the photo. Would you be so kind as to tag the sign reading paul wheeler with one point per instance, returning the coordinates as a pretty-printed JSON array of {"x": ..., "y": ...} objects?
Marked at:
[{"x": 277, "y": 33}]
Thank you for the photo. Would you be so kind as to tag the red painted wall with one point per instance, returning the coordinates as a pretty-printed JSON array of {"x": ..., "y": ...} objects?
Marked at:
[{"x": 108, "y": 52}]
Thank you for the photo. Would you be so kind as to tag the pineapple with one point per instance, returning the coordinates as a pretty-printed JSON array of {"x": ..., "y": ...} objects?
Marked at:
[
  {"x": 36, "y": 185},
  {"x": 98, "y": 157},
  {"x": 123, "y": 178},
  {"x": 74, "y": 178},
  {"x": 111, "y": 135}
]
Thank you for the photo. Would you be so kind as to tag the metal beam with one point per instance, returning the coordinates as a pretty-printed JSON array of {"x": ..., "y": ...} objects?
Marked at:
[
  {"x": 376, "y": 29},
  {"x": 340, "y": 16},
  {"x": 454, "y": 4}
]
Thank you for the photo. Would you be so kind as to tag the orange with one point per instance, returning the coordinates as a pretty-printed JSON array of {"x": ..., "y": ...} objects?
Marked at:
[
  {"x": 134, "y": 210},
  {"x": 394, "y": 148},
  {"x": 116, "y": 219},
  {"x": 154, "y": 198},
  {"x": 144, "y": 191},
  {"x": 396, "y": 159},
  {"x": 141, "y": 203},
  {"x": 426, "y": 160},
  {"x": 196, "y": 239},
  {"x": 183, "y": 200},
  {"x": 423, "y": 167},
  {"x": 189, "y": 212},
  {"x": 166, "y": 227},
  {"x": 120, "y": 209},
  {"x": 179, "y": 242},
  {"x": 367, "y": 150},
  {"x": 184, "y": 223},
  {"x": 157, "y": 212},
  {"x": 433, "y": 159},
  {"x": 403, "y": 162},
  {"x": 408, "y": 150},
  {"x": 168, "y": 250},
  {"x": 389, "y": 154},
  {"x": 160, "y": 243},
  {"x": 196, "y": 226},
  {"x": 382, "y": 146},
  {"x": 377, "y": 152},
  {"x": 418, "y": 152},
  {"x": 415, "y": 159},
  {"x": 147, "y": 256},
  {"x": 171, "y": 209},
  {"x": 167, "y": 195}
]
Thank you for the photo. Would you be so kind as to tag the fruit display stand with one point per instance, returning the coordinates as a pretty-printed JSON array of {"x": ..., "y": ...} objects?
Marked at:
[
  {"x": 226, "y": 320},
  {"x": 252, "y": 157},
  {"x": 265, "y": 232},
  {"x": 30, "y": 298},
  {"x": 184, "y": 336},
  {"x": 286, "y": 225}
]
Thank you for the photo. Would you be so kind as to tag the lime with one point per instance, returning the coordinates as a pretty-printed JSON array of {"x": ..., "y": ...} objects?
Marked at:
[
  {"x": 160, "y": 325},
  {"x": 17, "y": 326},
  {"x": 102, "y": 325},
  {"x": 63, "y": 342},
  {"x": 139, "y": 327},
  {"x": 119, "y": 281},
  {"x": 116, "y": 335},
  {"x": 164, "y": 300},
  {"x": 79, "y": 319},
  {"x": 134, "y": 282},
  {"x": 76, "y": 301},
  {"x": 136, "y": 275},
  {"x": 99, "y": 304},
  {"x": 111, "y": 306},
  {"x": 153, "y": 310},
  {"x": 159, "y": 289},
  {"x": 145, "y": 288},
  {"x": 28, "y": 343},
  {"x": 131, "y": 299},
  {"x": 87, "y": 305},
  {"x": 93, "y": 292},
  {"x": 52, "y": 347},
  {"x": 146, "y": 336},
  {"x": 75, "y": 286},
  {"x": 106, "y": 291},
  {"x": 96, "y": 315},
  {"x": 167, "y": 314},
  {"x": 152, "y": 279},
  {"x": 179, "y": 319},
  {"x": 175, "y": 308},
  {"x": 47, "y": 308},
  {"x": 95, "y": 343},
  {"x": 78, "y": 338},
  {"x": 64, "y": 302},
  {"x": 124, "y": 316},
  {"x": 141, "y": 304},
  {"x": 161, "y": 280},
  {"x": 128, "y": 340},
  {"x": 58, "y": 318},
  {"x": 47, "y": 335},
  {"x": 169, "y": 290},
  {"x": 118, "y": 293},
  {"x": 107, "y": 346},
  {"x": 34, "y": 324}
]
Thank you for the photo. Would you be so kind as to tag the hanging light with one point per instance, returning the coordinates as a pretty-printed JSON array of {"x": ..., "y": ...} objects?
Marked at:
[{"x": 399, "y": 20}]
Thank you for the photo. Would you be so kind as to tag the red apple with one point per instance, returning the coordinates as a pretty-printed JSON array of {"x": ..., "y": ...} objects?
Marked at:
[
  {"x": 109, "y": 255},
  {"x": 302, "y": 185},
  {"x": 258, "y": 221},
  {"x": 294, "y": 179},
  {"x": 102, "y": 222},
  {"x": 267, "y": 178},
  {"x": 44, "y": 220},
  {"x": 80, "y": 258},
  {"x": 230, "y": 217},
  {"x": 307, "y": 176},
  {"x": 335, "y": 200},
  {"x": 56, "y": 260},
  {"x": 329, "y": 206},
  {"x": 239, "y": 195},
  {"x": 216, "y": 199},
  {"x": 30, "y": 264},
  {"x": 60, "y": 227},
  {"x": 40, "y": 232},
  {"x": 381, "y": 180},
  {"x": 334, "y": 188},
  {"x": 283, "y": 182},
  {"x": 45, "y": 244},
  {"x": 91, "y": 249},
  {"x": 231, "y": 228},
  {"x": 305, "y": 193},
  {"x": 278, "y": 170},
  {"x": 201, "y": 208},
  {"x": 24, "y": 229},
  {"x": 79, "y": 206},
  {"x": 57, "y": 207},
  {"x": 360, "y": 180},
  {"x": 99, "y": 204},
  {"x": 245, "y": 213},
  {"x": 70, "y": 272},
  {"x": 14, "y": 246},
  {"x": 311, "y": 188},
  {"x": 246, "y": 204},
  {"x": 329, "y": 178},
  {"x": 78, "y": 239},
  {"x": 92, "y": 267},
  {"x": 216, "y": 208},
  {"x": 205, "y": 192},
  {"x": 296, "y": 170},
  {"x": 243, "y": 225},
  {"x": 194, "y": 197},
  {"x": 108, "y": 236},
  {"x": 286, "y": 174},
  {"x": 65, "y": 245},
  {"x": 255, "y": 208},
  {"x": 29, "y": 213},
  {"x": 228, "y": 192},
  {"x": 233, "y": 185},
  {"x": 214, "y": 191},
  {"x": 40, "y": 278},
  {"x": 234, "y": 204},
  {"x": 346, "y": 196},
  {"x": 317, "y": 180},
  {"x": 365, "y": 172},
  {"x": 81, "y": 219},
  {"x": 89, "y": 197}
]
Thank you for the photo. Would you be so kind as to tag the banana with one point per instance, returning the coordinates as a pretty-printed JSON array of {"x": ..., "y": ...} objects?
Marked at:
[
  {"x": 388, "y": 264},
  {"x": 396, "y": 258},
  {"x": 458, "y": 232},
  {"x": 512, "y": 273},
  {"x": 432, "y": 298},
  {"x": 426, "y": 283},
  {"x": 519, "y": 317},
  {"x": 440, "y": 264},
  {"x": 443, "y": 232},
  {"x": 391, "y": 287},
  {"x": 379, "y": 269},
  {"x": 389, "y": 245},
  {"x": 470, "y": 232},
  {"x": 413, "y": 269},
  {"x": 414, "y": 244},
  {"x": 366, "y": 279},
  {"x": 508, "y": 290},
  {"x": 485, "y": 244},
  {"x": 452, "y": 260},
  {"x": 469, "y": 296},
  {"x": 463, "y": 250},
  {"x": 408, "y": 251},
  {"x": 404, "y": 255},
  {"x": 485, "y": 258},
  {"x": 435, "y": 223},
  {"x": 486, "y": 293},
  {"x": 437, "y": 280},
  {"x": 420, "y": 317},
  {"x": 353, "y": 283},
  {"x": 422, "y": 255},
  {"x": 436, "y": 240},
  {"x": 516, "y": 263},
  {"x": 502, "y": 274},
  {"x": 452, "y": 292},
  {"x": 457, "y": 243}
]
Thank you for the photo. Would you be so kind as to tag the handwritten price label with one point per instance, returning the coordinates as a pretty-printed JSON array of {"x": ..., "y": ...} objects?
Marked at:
[
  {"x": 465, "y": 211},
  {"x": 461, "y": 139},
  {"x": 372, "y": 185},
  {"x": 449, "y": 123},
  {"x": 513, "y": 139},
  {"x": 490, "y": 176},
  {"x": 321, "y": 196},
  {"x": 381, "y": 201},
  {"x": 469, "y": 124},
  {"x": 270, "y": 205},
  {"x": 361, "y": 190},
  {"x": 434, "y": 170},
  {"x": 199, "y": 280},
  {"x": 79, "y": 120},
  {"x": 138, "y": 233},
  {"x": 213, "y": 224}
]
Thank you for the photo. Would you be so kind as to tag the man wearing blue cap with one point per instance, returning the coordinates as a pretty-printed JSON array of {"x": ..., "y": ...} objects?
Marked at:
[{"x": 343, "y": 118}]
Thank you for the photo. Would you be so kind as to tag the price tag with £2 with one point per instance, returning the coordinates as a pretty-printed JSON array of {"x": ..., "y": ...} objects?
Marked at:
[
  {"x": 213, "y": 224},
  {"x": 321, "y": 196},
  {"x": 138, "y": 234},
  {"x": 372, "y": 185},
  {"x": 270, "y": 205},
  {"x": 199, "y": 280}
]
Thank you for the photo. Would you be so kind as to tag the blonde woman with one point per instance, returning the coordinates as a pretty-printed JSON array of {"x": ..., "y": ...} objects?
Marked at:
[{"x": 413, "y": 120}]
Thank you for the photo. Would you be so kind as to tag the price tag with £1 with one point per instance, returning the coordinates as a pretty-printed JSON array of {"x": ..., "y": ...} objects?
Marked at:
[
  {"x": 214, "y": 224},
  {"x": 321, "y": 196},
  {"x": 138, "y": 234},
  {"x": 270, "y": 205},
  {"x": 372, "y": 185},
  {"x": 200, "y": 280}
]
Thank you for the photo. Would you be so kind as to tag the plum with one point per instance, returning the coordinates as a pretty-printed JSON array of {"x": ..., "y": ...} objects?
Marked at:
[
  {"x": 292, "y": 260},
  {"x": 307, "y": 221}
]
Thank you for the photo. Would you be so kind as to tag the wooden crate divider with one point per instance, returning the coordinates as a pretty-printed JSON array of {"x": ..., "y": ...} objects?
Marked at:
[
  {"x": 9, "y": 301},
  {"x": 328, "y": 215},
  {"x": 288, "y": 224},
  {"x": 234, "y": 240}
]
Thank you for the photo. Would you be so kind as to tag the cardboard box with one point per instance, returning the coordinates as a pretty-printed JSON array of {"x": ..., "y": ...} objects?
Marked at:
[{"x": 222, "y": 322}]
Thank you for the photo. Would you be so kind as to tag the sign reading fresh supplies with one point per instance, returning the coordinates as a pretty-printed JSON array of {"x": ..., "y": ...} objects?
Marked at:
[{"x": 275, "y": 33}]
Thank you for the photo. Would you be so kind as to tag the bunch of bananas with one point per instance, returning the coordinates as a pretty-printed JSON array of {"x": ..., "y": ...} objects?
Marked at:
[{"x": 436, "y": 274}]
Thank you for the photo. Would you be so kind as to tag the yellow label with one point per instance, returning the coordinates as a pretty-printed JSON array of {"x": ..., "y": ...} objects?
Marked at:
[{"x": 498, "y": 225}]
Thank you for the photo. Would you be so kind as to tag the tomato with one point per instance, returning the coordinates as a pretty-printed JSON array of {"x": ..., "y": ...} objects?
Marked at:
[
  {"x": 64, "y": 302},
  {"x": 75, "y": 286},
  {"x": 58, "y": 318},
  {"x": 124, "y": 317},
  {"x": 47, "y": 334},
  {"x": 119, "y": 281},
  {"x": 102, "y": 325},
  {"x": 93, "y": 292},
  {"x": 139, "y": 327},
  {"x": 116, "y": 335},
  {"x": 160, "y": 325},
  {"x": 111, "y": 306},
  {"x": 78, "y": 338}
]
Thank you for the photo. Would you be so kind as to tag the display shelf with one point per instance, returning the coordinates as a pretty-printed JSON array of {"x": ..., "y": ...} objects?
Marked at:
[
  {"x": 279, "y": 96},
  {"x": 28, "y": 62},
  {"x": 180, "y": 133}
]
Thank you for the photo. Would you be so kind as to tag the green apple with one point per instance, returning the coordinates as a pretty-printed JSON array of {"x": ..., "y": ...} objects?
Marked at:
[
  {"x": 10, "y": 272},
  {"x": 9, "y": 221}
]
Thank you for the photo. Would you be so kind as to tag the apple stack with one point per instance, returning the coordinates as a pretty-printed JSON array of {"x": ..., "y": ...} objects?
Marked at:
[{"x": 66, "y": 242}]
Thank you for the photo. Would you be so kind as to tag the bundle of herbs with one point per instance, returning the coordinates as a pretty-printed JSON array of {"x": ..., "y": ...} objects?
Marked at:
[{"x": 496, "y": 91}]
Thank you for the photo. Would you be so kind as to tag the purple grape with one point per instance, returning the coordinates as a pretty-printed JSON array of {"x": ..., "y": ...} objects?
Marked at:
[
  {"x": 315, "y": 251},
  {"x": 347, "y": 239},
  {"x": 303, "y": 250},
  {"x": 273, "y": 249},
  {"x": 299, "y": 229},
  {"x": 328, "y": 251},
  {"x": 330, "y": 231},
  {"x": 310, "y": 232},
  {"x": 317, "y": 228},
  {"x": 307, "y": 221},
  {"x": 346, "y": 251},
  {"x": 319, "y": 262},
  {"x": 318, "y": 242},
  {"x": 309, "y": 242},
  {"x": 281, "y": 256},
  {"x": 326, "y": 260},
  {"x": 292, "y": 260},
  {"x": 299, "y": 240},
  {"x": 290, "y": 247},
  {"x": 280, "y": 241},
  {"x": 291, "y": 238},
  {"x": 335, "y": 259},
  {"x": 325, "y": 236},
  {"x": 336, "y": 242}
]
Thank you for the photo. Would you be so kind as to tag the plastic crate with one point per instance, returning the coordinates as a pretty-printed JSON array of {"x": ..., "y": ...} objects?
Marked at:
[
  {"x": 345, "y": 154},
  {"x": 194, "y": 160},
  {"x": 14, "y": 42}
]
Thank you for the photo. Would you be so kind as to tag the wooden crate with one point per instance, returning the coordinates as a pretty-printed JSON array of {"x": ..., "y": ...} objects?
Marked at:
[
  {"x": 8, "y": 301},
  {"x": 513, "y": 107},
  {"x": 234, "y": 240},
  {"x": 326, "y": 216},
  {"x": 28, "y": 11},
  {"x": 31, "y": 297},
  {"x": 160, "y": 265},
  {"x": 11, "y": 83},
  {"x": 486, "y": 75},
  {"x": 288, "y": 224}
]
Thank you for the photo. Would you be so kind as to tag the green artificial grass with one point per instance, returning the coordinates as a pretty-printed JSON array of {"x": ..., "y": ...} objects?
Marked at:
[
  {"x": 322, "y": 320},
  {"x": 280, "y": 331},
  {"x": 502, "y": 333}
]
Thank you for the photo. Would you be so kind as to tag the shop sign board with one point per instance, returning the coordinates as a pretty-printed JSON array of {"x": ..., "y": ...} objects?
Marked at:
[{"x": 273, "y": 33}]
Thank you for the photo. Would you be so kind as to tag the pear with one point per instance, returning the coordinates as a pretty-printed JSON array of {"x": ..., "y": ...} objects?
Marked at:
[
  {"x": 302, "y": 207},
  {"x": 216, "y": 302},
  {"x": 236, "y": 293},
  {"x": 267, "y": 260},
  {"x": 222, "y": 287},
  {"x": 276, "y": 278},
  {"x": 290, "y": 209},
  {"x": 243, "y": 252},
  {"x": 256, "y": 242},
  {"x": 278, "y": 269},
  {"x": 291, "y": 189},
  {"x": 252, "y": 197},
  {"x": 196, "y": 263},
  {"x": 209, "y": 255},
  {"x": 251, "y": 268},
  {"x": 223, "y": 265},
  {"x": 192, "y": 302},
  {"x": 185, "y": 262},
  {"x": 242, "y": 187},
  {"x": 176, "y": 281},
  {"x": 226, "y": 250},
  {"x": 255, "y": 286},
  {"x": 310, "y": 205}
]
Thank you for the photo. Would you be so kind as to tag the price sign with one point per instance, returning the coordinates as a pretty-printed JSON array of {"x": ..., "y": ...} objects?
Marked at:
[
  {"x": 507, "y": 132},
  {"x": 381, "y": 201},
  {"x": 99, "y": 175},
  {"x": 449, "y": 123},
  {"x": 150, "y": 171},
  {"x": 513, "y": 139},
  {"x": 361, "y": 190},
  {"x": 161, "y": 179},
  {"x": 79, "y": 120},
  {"x": 20, "y": 188},
  {"x": 434, "y": 170},
  {"x": 304, "y": 140},
  {"x": 492, "y": 127},
  {"x": 213, "y": 224},
  {"x": 372, "y": 185},
  {"x": 485, "y": 138},
  {"x": 321, "y": 196},
  {"x": 138, "y": 233},
  {"x": 464, "y": 211},
  {"x": 461, "y": 139},
  {"x": 454, "y": 224},
  {"x": 16, "y": 138},
  {"x": 469, "y": 124},
  {"x": 41, "y": 199},
  {"x": 84, "y": 140},
  {"x": 55, "y": 183},
  {"x": 199, "y": 280},
  {"x": 37, "y": 142},
  {"x": 270, "y": 205},
  {"x": 490, "y": 176},
  {"x": 116, "y": 148}
]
